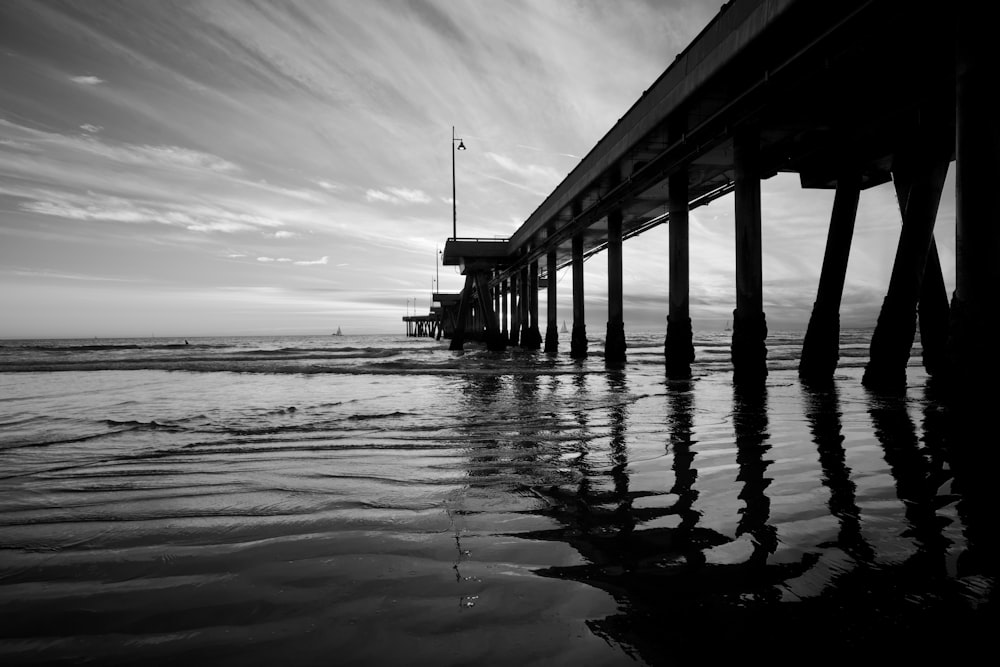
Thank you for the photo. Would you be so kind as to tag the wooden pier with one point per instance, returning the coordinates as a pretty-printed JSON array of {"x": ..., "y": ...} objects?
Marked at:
[{"x": 847, "y": 95}]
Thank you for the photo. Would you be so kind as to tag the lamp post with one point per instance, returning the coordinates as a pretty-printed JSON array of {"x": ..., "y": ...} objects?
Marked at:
[{"x": 454, "y": 208}]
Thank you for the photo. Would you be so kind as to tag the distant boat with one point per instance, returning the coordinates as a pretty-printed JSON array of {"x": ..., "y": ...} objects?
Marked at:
[
  {"x": 564, "y": 329},
  {"x": 727, "y": 326},
  {"x": 338, "y": 333}
]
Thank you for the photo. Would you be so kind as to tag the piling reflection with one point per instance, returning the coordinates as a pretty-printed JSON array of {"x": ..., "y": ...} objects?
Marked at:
[
  {"x": 750, "y": 425},
  {"x": 672, "y": 600},
  {"x": 974, "y": 458},
  {"x": 913, "y": 469},
  {"x": 885, "y": 584},
  {"x": 823, "y": 414},
  {"x": 680, "y": 423}
]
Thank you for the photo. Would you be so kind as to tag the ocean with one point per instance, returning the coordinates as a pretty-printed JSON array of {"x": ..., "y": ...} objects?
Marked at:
[{"x": 380, "y": 500}]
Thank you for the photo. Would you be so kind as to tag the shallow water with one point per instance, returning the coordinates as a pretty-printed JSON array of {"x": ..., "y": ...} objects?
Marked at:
[{"x": 380, "y": 500}]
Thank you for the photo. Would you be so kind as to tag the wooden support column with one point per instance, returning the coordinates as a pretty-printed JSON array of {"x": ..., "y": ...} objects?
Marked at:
[
  {"x": 932, "y": 307},
  {"x": 975, "y": 307},
  {"x": 578, "y": 340},
  {"x": 503, "y": 310},
  {"x": 523, "y": 307},
  {"x": 821, "y": 347},
  {"x": 494, "y": 341},
  {"x": 551, "y": 326},
  {"x": 614, "y": 342},
  {"x": 495, "y": 291},
  {"x": 458, "y": 336},
  {"x": 749, "y": 352},
  {"x": 678, "y": 347},
  {"x": 534, "y": 336},
  {"x": 515, "y": 310},
  {"x": 897, "y": 322}
]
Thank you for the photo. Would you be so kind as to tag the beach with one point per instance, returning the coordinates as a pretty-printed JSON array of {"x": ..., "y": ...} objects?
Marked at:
[{"x": 379, "y": 500}]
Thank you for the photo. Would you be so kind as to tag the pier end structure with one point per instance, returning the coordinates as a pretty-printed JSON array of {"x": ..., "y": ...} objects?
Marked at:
[{"x": 479, "y": 261}]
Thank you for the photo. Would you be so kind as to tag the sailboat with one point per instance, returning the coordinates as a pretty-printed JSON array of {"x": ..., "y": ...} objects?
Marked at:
[
  {"x": 564, "y": 329},
  {"x": 338, "y": 333},
  {"x": 727, "y": 326}
]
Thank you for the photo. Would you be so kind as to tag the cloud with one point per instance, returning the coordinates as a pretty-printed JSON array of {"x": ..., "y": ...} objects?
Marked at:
[
  {"x": 87, "y": 80},
  {"x": 283, "y": 234},
  {"x": 107, "y": 208},
  {"x": 148, "y": 155},
  {"x": 412, "y": 196},
  {"x": 322, "y": 260},
  {"x": 287, "y": 260},
  {"x": 377, "y": 195},
  {"x": 398, "y": 196},
  {"x": 537, "y": 174},
  {"x": 144, "y": 155}
]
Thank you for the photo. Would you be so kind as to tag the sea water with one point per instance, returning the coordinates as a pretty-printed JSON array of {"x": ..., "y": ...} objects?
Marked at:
[{"x": 381, "y": 500}]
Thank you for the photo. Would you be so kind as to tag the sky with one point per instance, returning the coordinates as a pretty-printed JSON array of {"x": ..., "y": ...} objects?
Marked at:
[{"x": 237, "y": 167}]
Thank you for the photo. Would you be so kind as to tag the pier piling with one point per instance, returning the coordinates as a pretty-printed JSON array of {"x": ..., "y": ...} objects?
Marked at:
[
  {"x": 821, "y": 347},
  {"x": 551, "y": 325},
  {"x": 749, "y": 353},
  {"x": 578, "y": 341},
  {"x": 614, "y": 342},
  {"x": 927, "y": 166},
  {"x": 678, "y": 347}
]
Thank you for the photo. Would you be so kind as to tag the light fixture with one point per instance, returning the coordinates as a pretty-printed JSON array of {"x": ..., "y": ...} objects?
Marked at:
[{"x": 454, "y": 206}]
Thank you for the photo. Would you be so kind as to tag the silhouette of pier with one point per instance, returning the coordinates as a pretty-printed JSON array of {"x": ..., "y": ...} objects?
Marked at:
[{"x": 847, "y": 95}]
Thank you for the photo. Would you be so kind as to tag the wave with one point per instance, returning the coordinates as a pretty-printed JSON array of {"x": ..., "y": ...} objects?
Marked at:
[
  {"x": 112, "y": 347},
  {"x": 381, "y": 355}
]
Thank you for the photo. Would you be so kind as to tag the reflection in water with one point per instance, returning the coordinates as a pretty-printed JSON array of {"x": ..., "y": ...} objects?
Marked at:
[
  {"x": 689, "y": 590},
  {"x": 624, "y": 518},
  {"x": 824, "y": 417},
  {"x": 916, "y": 484},
  {"x": 970, "y": 431},
  {"x": 750, "y": 423},
  {"x": 577, "y": 514},
  {"x": 676, "y": 603},
  {"x": 680, "y": 420}
]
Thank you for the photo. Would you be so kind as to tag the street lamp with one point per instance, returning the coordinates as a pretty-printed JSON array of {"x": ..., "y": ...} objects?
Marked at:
[{"x": 454, "y": 209}]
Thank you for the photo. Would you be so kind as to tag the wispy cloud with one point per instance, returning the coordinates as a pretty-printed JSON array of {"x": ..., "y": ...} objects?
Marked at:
[
  {"x": 87, "y": 80},
  {"x": 289, "y": 260},
  {"x": 307, "y": 262},
  {"x": 62, "y": 275},
  {"x": 536, "y": 174},
  {"x": 140, "y": 155},
  {"x": 107, "y": 208},
  {"x": 398, "y": 196}
]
